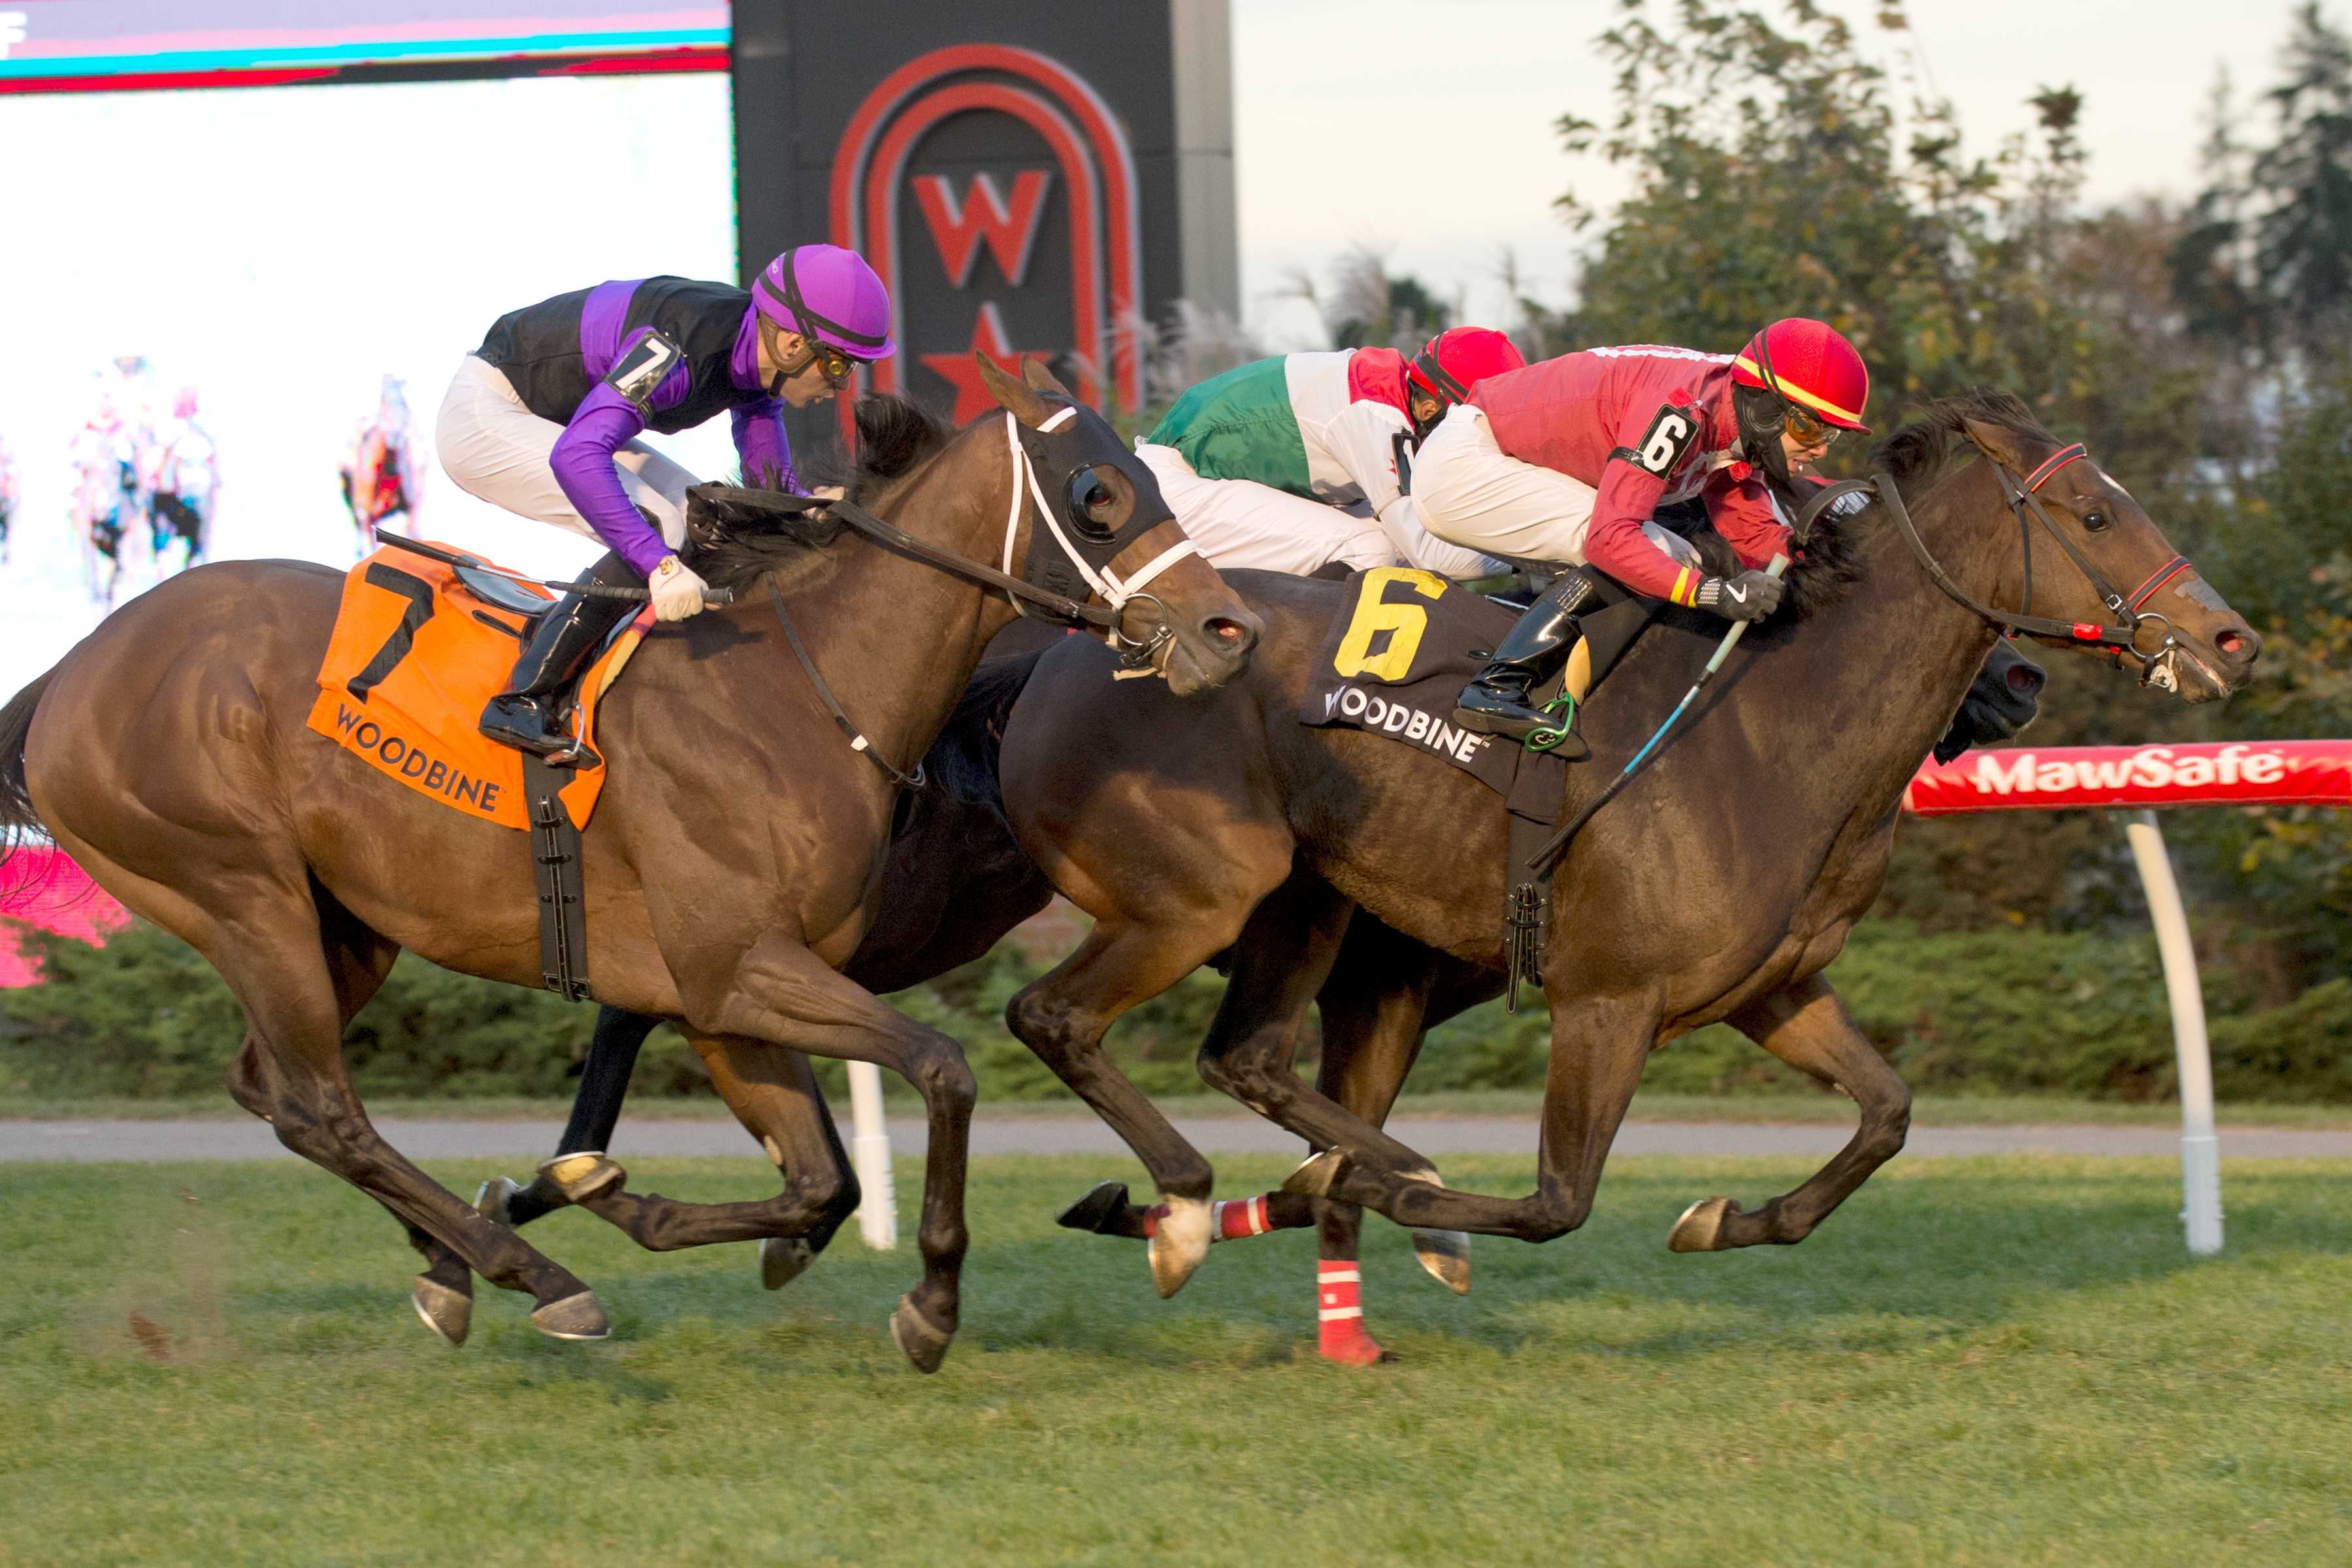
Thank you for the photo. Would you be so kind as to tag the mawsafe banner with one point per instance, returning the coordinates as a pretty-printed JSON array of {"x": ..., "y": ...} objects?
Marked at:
[{"x": 2049, "y": 778}]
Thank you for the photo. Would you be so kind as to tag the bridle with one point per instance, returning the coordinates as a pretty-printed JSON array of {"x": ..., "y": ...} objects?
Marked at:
[
  {"x": 1081, "y": 559},
  {"x": 2121, "y": 636}
]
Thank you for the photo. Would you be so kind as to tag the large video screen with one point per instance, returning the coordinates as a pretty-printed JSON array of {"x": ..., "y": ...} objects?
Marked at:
[
  {"x": 53, "y": 45},
  {"x": 217, "y": 305}
]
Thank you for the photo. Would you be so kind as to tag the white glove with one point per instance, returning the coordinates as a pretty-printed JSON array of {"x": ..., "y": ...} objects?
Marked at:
[{"x": 678, "y": 592}]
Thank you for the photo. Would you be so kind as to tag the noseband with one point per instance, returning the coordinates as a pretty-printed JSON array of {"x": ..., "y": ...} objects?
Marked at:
[{"x": 2121, "y": 637}]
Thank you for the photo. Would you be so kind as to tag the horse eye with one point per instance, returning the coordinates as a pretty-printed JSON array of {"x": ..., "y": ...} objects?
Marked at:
[
  {"x": 2094, "y": 521},
  {"x": 1089, "y": 496}
]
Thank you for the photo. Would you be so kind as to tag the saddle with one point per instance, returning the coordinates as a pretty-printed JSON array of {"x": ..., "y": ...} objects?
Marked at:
[
  {"x": 1395, "y": 660},
  {"x": 422, "y": 641}
]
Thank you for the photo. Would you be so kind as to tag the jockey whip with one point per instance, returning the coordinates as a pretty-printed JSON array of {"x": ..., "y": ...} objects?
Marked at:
[
  {"x": 1557, "y": 845},
  {"x": 718, "y": 598}
]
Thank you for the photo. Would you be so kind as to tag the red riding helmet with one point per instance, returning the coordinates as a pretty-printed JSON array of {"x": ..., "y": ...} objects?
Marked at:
[
  {"x": 1810, "y": 364},
  {"x": 1458, "y": 359}
]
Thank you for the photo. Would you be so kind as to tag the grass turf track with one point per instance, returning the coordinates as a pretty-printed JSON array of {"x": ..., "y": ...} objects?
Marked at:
[{"x": 1999, "y": 1361}]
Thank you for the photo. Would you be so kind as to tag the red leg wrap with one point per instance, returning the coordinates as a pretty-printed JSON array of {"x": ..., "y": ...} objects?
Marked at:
[
  {"x": 1247, "y": 1217},
  {"x": 1340, "y": 1315}
]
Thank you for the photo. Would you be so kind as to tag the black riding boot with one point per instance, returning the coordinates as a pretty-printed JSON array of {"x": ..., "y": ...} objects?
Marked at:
[
  {"x": 1500, "y": 701},
  {"x": 529, "y": 714}
]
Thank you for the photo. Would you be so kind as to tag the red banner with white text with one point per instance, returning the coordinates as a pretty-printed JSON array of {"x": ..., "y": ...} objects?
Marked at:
[{"x": 2051, "y": 778}]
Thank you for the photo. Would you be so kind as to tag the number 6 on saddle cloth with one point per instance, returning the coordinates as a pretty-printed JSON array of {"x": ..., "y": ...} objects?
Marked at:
[{"x": 1397, "y": 658}]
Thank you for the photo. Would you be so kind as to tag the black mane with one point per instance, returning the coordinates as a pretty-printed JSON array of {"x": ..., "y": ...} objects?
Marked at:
[
  {"x": 736, "y": 534},
  {"x": 1919, "y": 449}
]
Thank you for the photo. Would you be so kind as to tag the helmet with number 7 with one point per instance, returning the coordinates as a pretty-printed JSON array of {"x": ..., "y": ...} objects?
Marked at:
[{"x": 1811, "y": 367}]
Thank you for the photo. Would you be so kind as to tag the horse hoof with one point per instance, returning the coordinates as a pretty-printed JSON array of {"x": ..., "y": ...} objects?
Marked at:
[
  {"x": 1701, "y": 1228},
  {"x": 783, "y": 1259},
  {"x": 449, "y": 1314},
  {"x": 1179, "y": 1244},
  {"x": 1105, "y": 1204},
  {"x": 491, "y": 1201},
  {"x": 917, "y": 1339},
  {"x": 1317, "y": 1174},
  {"x": 579, "y": 1316},
  {"x": 581, "y": 1176},
  {"x": 1446, "y": 1255}
]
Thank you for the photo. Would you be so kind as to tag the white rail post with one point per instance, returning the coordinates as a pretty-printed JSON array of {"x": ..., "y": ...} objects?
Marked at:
[
  {"x": 2201, "y": 1151},
  {"x": 877, "y": 1207}
]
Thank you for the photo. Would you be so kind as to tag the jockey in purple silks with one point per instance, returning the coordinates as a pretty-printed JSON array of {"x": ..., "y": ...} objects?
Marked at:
[{"x": 542, "y": 419}]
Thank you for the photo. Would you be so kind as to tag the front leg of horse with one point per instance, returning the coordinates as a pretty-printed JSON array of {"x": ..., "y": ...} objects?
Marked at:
[
  {"x": 1597, "y": 1047},
  {"x": 784, "y": 995},
  {"x": 1808, "y": 1027},
  {"x": 773, "y": 1092}
]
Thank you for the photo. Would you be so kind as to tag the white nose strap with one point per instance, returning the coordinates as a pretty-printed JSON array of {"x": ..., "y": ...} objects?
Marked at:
[{"x": 1105, "y": 582}]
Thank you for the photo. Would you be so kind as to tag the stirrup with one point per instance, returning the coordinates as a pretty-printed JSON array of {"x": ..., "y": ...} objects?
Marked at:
[{"x": 1548, "y": 737}]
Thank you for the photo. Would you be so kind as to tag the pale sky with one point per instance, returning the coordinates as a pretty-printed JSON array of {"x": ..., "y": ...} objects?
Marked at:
[{"x": 282, "y": 249}]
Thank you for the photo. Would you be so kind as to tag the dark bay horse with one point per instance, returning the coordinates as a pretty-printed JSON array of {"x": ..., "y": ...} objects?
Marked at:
[
  {"x": 955, "y": 883},
  {"x": 1717, "y": 888},
  {"x": 732, "y": 866}
]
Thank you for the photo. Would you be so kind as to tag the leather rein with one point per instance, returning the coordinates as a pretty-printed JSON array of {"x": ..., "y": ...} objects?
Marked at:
[
  {"x": 2122, "y": 637},
  {"x": 1139, "y": 658}
]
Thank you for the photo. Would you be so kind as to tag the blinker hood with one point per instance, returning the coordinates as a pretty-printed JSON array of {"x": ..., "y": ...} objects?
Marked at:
[{"x": 1057, "y": 458}]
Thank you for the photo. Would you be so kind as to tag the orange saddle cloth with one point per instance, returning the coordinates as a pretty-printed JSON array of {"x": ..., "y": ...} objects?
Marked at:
[{"x": 415, "y": 658}]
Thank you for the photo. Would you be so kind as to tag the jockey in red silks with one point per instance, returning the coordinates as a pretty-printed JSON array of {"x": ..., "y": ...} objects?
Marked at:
[
  {"x": 543, "y": 420},
  {"x": 1292, "y": 464},
  {"x": 1564, "y": 462}
]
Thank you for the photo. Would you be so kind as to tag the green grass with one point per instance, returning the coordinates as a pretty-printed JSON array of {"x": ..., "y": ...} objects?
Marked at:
[
  {"x": 1995, "y": 1361},
  {"x": 1926, "y": 1111}
]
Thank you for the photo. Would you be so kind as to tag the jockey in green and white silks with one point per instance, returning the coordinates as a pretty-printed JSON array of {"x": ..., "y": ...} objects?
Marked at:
[{"x": 1292, "y": 464}]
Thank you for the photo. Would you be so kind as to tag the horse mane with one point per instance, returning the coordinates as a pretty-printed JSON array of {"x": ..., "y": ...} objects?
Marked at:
[
  {"x": 1830, "y": 568},
  {"x": 1919, "y": 449},
  {"x": 1913, "y": 455},
  {"x": 737, "y": 535}
]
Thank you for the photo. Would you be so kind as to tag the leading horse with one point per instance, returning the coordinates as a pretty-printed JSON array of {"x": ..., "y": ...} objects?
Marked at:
[
  {"x": 733, "y": 863},
  {"x": 1717, "y": 888}
]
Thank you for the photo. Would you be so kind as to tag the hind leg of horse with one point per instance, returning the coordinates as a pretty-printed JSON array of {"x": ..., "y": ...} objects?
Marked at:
[
  {"x": 1597, "y": 1047},
  {"x": 293, "y": 967},
  {"x": 1807, "y": 1026},
  {"x": 596, "y": 1111},
  {"x": 1063, "y": 1016},
  {"x": 772, "y": 1090},
  {"x": 784, "y": 994},
  {"x": 1285, "y": 953}
]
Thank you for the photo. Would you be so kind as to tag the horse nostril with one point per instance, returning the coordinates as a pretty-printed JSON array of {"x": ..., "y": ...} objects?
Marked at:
[
  {"x": 2237, "y": 645},
  {"x": 1231, "y": 635},
  {"x": 2025, "y": 681}
]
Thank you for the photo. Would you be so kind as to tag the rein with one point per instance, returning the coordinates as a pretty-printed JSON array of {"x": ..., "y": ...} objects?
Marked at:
[
  {"x": 2122, "y": 638},
  {"x": 1140, "y": 657}
]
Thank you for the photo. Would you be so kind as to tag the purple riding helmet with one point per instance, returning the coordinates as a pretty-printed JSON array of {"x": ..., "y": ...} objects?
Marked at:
[{"x": 829, "y": 296}]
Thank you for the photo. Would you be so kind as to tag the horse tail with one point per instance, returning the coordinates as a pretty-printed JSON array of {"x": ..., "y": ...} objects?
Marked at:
[{"x": 18, "y": 821}]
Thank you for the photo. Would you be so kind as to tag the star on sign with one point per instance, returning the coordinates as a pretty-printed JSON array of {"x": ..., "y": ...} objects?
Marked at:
[{"x": 961, "y": 371}]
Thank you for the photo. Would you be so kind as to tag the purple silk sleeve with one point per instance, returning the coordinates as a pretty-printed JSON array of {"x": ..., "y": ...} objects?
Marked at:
[
  {"x": 766, "y": 450},
  {"x": 582, "y": 461}
]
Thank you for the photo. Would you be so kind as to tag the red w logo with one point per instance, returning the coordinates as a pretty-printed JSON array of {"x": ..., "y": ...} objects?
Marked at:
[{"x": 959, "y": 226}]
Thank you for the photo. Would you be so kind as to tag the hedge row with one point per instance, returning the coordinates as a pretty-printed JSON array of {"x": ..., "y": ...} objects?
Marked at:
[{"x": 2000, "y": 1012}]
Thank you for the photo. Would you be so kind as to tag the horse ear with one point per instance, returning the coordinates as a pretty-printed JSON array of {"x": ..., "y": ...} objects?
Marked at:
[
  {"x": 1999, "y": 443},
  {"x": 1034, "y": 372},
  {"x": 1026, "y": 405}
]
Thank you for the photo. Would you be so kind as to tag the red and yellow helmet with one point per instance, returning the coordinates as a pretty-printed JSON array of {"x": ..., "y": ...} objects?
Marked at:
[{"x": 1811, "y": 366}]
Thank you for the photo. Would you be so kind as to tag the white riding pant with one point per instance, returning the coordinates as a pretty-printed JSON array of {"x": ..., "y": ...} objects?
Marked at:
[
  {"x": 1239, "y": 523},
  {"x": 1471, "y": 492},
  {"x": 498, "y": 450}
]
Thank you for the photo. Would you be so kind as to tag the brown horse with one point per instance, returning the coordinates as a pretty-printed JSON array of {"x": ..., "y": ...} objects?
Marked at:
[
  {"x": 1717, "y": 888},
  {"x": 956, "y": 882},
  {"x": 732, "y": 866}
]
